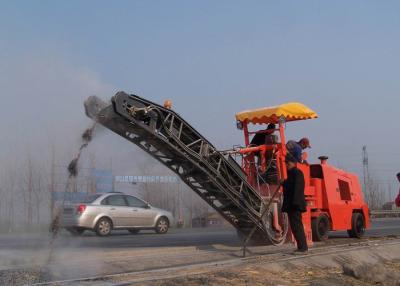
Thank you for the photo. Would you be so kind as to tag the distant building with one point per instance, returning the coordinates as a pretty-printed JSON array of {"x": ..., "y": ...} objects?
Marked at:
[{"x": 103, "y": 181}]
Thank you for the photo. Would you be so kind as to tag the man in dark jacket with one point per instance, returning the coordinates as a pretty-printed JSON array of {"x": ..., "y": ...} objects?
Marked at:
[
  {"x": 294, "y": 203},
  {"x": 260, "y": 137}
]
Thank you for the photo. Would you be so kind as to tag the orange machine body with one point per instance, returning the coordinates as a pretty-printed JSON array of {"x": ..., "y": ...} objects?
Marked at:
[
  {"x": 329, "y": 191},
  {"x": 334, "y": 192}
]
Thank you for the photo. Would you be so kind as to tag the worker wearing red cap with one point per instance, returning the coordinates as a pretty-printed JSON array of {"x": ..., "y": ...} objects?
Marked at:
[{"x": 296, "y": 148}]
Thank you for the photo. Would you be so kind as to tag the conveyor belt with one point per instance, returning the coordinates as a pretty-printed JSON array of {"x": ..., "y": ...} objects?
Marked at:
[{"x": 163, "y": 134}]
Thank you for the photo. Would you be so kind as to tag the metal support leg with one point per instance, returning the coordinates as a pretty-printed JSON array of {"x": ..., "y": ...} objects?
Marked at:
[{"x": 261, "y": 218}]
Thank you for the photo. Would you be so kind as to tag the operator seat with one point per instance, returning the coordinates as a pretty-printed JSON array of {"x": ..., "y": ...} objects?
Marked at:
[{"x": 270, "y": 176}]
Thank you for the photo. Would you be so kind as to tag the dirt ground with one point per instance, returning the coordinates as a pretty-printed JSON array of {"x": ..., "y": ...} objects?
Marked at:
[
  {"x": 371, "y": 264},
  {"x": 366, "y": 262},
  {"x": 254, "y": 275},
  {"x": 261, "y": 275}
]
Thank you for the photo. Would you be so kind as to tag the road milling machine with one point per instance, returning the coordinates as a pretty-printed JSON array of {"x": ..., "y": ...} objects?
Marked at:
[{"x": 241, "y": 184}]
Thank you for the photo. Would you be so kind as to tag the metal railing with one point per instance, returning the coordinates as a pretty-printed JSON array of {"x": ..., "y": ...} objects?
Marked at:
[{"x": 385, "y": 213}]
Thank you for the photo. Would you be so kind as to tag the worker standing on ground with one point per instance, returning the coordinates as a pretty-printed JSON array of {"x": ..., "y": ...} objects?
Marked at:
[
  {"x": 296, "y": 148},
  {"x": 294, "y": 202},
  {"x": 397, "y": 201}
]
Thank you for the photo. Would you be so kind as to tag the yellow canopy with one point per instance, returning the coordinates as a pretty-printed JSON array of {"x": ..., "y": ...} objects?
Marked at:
[{"x": 291, "y": 111}]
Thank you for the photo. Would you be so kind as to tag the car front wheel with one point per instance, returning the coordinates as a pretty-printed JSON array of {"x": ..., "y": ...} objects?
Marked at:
[
  {"x": 162, "y": 225},
  {"x": 103, "y": 227}
]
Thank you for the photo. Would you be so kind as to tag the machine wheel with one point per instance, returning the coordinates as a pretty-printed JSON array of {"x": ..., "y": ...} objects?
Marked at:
[
  {"x": 357, "y": 225},
  {"x": 134, "y": 231},
  {"x": 75, "y": 231},
  {"x": 103, "y": 227},
  {"x": 162, "y": 225},
  {"x": 271, "y": 235},
  {"x": 320, "y": 227}
]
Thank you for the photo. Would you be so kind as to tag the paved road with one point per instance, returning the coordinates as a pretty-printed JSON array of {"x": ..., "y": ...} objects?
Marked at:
[{"x": 176, "y": 237}]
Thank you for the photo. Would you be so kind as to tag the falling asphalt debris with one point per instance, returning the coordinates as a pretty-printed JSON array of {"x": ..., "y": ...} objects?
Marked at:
[{"x": 87, "y": 136}]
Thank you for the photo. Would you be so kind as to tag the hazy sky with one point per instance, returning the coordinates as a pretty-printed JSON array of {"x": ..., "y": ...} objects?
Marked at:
[{"x": 212, "y": 59}]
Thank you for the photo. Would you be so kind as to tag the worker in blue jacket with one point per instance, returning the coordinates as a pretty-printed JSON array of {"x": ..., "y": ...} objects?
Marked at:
[{"x": 296, "y": 148}]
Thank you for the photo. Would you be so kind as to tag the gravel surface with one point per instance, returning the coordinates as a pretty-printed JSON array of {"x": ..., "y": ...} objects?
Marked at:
[
  {"x": 373, "y": 263},
  {"x": 23, "y": 276},
  {"x": 385, "y": 273},
  {"x": 259, "y": 275}
]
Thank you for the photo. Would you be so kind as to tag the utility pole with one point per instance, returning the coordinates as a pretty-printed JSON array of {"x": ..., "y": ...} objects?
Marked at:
[
  {"x": 52, "y": 182},
  {"x": 365, "y": 171}
]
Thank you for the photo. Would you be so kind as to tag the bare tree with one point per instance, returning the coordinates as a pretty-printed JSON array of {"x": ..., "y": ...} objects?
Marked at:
[
  {"x": 37, "y": 192},
  {"x": 374, "y": 194},
  {"x": 27, "y": 191},
  {"x": 8, "y": 195},
  {"x": 52, "y": 184},
  {"x": 390, "y": 192}
]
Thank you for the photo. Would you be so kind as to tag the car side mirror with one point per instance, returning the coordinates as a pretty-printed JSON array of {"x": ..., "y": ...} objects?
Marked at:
[{"x": 147, "y": 206}]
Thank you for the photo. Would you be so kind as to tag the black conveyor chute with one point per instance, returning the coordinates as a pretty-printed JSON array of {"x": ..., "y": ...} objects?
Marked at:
[{"x": 167, "y": 137}]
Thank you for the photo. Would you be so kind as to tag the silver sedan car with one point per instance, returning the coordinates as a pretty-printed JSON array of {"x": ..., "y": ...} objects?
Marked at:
[{"x": 104, "y": 212}]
